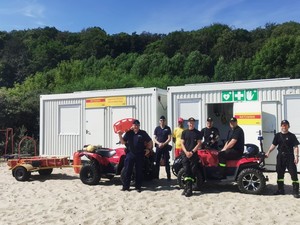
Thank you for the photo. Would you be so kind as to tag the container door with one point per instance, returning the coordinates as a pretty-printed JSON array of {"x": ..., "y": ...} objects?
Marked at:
[
  {"x": 118, "y": 113},
  {"x": 291, "y": 113},
  {"x": 190, "y": 108},
  {"x": 269, "y": 128},
  {"x": 95, "y": 124},
  {"x": 248, "y": 115}
]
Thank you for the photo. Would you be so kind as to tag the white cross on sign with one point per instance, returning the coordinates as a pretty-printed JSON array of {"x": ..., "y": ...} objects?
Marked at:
[{"x": 239, "y": 96}]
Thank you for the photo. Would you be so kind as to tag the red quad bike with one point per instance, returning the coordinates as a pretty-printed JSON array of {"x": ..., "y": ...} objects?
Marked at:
[
  {"x": 107, "y": 163},
  {"x": 247, "y": 171}
]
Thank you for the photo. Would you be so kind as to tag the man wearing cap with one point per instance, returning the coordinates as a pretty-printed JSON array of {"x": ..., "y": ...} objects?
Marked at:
[
  {"x": 177, "y": 137},
  {"x": 287, "y": 157},
  {"x": 210, "y": 134},
  {"x": 233, "y": 148},
  {"x": 190, "y": 142},
  {"x": 162, "y": 137},
  {"x": 136, "y": 141}
]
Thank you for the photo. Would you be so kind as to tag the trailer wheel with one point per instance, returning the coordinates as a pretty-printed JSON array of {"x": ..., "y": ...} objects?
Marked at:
[
  {"x": 45, "y": 172},
  {"x": 89, "y": 174},
  {"x": 21, "y": 174}
]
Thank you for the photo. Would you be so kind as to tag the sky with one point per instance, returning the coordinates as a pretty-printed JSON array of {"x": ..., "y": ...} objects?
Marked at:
[{"x": 153, "y": 16}]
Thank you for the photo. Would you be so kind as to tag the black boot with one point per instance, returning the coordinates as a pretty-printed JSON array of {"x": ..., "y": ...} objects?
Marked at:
[
  {"x": 169, "y": 175},
  {"x": 280, "y": 190},
  {"x": 189, "y": 191},
  {"x": 185, "y": 189},
  {"x": 296, "y": 190}
]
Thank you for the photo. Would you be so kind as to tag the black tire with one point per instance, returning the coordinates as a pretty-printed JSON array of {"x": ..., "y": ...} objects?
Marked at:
[
  {"x": 45, "y": 172},
  {"x": 180, "y": 180},
  {"x": 123, "y": 176},
  {"x": 251, "y": 181},
  {"x": 177, "y": 165},
  {"x": 89, "y": 174},
  {"x": 21, "y": 174}
]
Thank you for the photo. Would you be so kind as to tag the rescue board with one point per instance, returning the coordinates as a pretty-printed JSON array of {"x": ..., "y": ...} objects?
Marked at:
[{"x": 123, "y": 125}]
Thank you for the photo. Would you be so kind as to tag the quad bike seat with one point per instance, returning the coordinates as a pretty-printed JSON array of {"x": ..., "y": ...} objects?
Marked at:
[{"x": 105, "y": 152}]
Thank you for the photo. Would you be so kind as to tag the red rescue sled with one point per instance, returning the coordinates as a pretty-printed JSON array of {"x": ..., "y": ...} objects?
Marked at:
[{"x": 123, "y": 125}]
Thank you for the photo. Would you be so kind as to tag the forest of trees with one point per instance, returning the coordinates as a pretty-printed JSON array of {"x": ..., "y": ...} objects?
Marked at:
[{"x": 46, "y": 60}]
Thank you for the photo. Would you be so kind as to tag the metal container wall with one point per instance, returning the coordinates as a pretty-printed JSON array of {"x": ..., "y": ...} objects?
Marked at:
[
  {"x": 273, "y": 91},
  {"x": 148, "y": 105},
  {"x": 268, "y": 90}
]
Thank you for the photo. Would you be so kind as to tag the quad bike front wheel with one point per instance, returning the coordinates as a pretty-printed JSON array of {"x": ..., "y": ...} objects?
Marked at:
[
  {"x": 251, "y": 181},
  {"x": 196, "y": 185},
  {"x": 89, "y": 174}
]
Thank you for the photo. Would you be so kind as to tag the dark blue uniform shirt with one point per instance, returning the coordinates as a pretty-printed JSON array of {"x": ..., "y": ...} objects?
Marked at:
[{"x": 136, "y": 141}]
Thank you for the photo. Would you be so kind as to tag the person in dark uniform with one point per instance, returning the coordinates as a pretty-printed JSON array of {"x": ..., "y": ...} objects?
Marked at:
[
  {"x": 233, "y": 148},
  {"x": 211, "y": 135},
  {"x": 136, "y": 141},
  {"x": 287, "y": 157},
  {"x": 162, "y": 137},
  {"x": 190, "y": 142}
]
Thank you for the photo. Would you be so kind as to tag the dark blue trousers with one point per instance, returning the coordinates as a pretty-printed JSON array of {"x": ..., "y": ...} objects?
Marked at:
[
  {"x": 134, "y": 160},
  {"x": 163, "y": 152}
]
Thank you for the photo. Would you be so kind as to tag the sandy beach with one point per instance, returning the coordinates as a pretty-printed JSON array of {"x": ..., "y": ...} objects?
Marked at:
[{"x": 62, "y": 198}]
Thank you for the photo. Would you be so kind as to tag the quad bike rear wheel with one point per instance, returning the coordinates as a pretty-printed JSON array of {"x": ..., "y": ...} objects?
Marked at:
[
  {"x": 89, "y": 174},
  {"x": 251, "y": 181},
  {"x": 196, "y": 185}
]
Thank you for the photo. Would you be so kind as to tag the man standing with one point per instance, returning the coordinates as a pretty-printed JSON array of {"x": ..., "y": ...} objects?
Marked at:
[
  {"x": 162, "y": 137},
  {"x": 233, "y": 148},
  {"x": 136, "y": 141},
  {"x": 190, "y": 142},
  {"x": 177, "y": 137},
  {"x": 287, "y": 157},
  {"x": 210, "y": 134}
]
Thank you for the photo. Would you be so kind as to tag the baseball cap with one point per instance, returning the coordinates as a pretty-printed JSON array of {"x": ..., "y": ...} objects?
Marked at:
[
  {"x": 285, "y": 122},
  {"x": 209, "y": 119},
  {"x": 233, "y": 119},
  {"x": 136, "y": 122},
  {"x": 180, "y": 120},
  {"x": 162, "y": 118},
  {"x": 191, "y": 119}
]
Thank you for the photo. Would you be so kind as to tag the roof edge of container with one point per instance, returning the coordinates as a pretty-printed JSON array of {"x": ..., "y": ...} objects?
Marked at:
[
  {"x": 244, "y": 84},
  {"x": 104, "y": 93}
]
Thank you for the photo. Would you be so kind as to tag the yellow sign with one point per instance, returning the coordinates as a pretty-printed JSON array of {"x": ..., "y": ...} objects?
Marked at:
[
  {"x": 249, "y": 118},
  {"x": 116, "y": 101},
  {"x": 106, "y": 101}
]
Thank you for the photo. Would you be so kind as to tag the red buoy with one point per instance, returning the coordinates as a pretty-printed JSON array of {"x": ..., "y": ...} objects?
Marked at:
[{"x": 76, "y": 162}]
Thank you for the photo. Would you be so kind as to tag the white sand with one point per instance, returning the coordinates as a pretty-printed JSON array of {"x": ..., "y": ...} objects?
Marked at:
[{"x": 63, "y": 199}]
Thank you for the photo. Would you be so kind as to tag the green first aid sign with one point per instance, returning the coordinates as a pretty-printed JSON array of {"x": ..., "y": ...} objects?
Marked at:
[
  {"x": 251, "y": 95},
  {"x": 227, "y": 96},
  {"x": 240, "y": 95}
]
